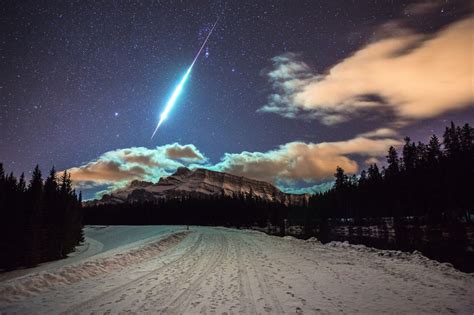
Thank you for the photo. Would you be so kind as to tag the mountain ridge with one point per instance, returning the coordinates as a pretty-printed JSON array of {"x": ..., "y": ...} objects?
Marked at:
[{"x": 195, "y": 183}]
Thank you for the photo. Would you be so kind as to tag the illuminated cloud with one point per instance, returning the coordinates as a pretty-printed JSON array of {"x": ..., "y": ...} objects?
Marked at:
[
  {"x": 106, "y": 171},
  {"x": 371, "y": 160},
  {"x": 308, "y": 162},
  {"x": 380, "y": 133},
  {"x": 186, "y": 152},
  {"x": 318, "y": 188},
  {"x": 287, "y": 166},
  {"x": 413, "y": 75},
  {"x": 121, "y": 166}
]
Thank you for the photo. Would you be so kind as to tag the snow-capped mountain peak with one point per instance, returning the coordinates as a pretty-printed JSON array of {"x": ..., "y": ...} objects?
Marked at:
[{"x": 199, "y": 181}]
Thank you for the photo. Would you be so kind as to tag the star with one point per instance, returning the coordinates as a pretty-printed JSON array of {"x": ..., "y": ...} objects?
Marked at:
[{"x": 107, "y": 74}]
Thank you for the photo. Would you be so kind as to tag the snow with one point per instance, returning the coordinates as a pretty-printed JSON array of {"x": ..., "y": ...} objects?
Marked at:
[
  {"x": 312, "y": 239},
  {"x": 99, "y": 239},
  {"x": 201, "y": 181},
  {"x": 219, "y": 270}
]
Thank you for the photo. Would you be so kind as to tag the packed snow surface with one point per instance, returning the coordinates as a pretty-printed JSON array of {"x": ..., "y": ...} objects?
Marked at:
[{"x": 219, "y": 270}]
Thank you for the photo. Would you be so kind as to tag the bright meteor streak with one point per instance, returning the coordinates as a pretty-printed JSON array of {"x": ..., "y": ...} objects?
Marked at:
[{"x": 179, "y": 88}]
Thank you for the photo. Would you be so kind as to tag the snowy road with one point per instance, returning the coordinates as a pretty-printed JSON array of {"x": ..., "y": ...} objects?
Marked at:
[{"x": 217, "y": 270}]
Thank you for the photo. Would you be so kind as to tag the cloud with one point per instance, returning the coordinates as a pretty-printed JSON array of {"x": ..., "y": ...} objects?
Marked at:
[
  {"x": 288, "y": 76},
  {"x": 380, "y": 133},
  {"x": 299, "y": 161},
  {"x": 318, "y": 188},
  {"x": 186, "y": 152},
  {"x": 289, "y": 166},
  {"x": 371, "y": 160},
  {"x": 106, "y": 171},
  {"x": 423, "y": 7},
  {"x": 413, "y": 75},
  {"x": 120, "y": 166}
]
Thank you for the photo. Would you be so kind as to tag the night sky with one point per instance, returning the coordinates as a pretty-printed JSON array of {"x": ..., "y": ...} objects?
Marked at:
[{"x": 82, "y": 82}]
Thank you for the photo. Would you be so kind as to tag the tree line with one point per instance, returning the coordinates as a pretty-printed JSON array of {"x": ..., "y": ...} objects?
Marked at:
[
  {"x": 430, "y": 181},
  {"x": 40, "y": 220},
  {"x": 237, "y": 210}
]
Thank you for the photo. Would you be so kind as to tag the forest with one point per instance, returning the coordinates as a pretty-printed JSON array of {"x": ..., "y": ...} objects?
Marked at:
[
  {"x": 429, "y": 183},
  {"x": 40, "y": 220},
  {"x": 239, "y": 211}
]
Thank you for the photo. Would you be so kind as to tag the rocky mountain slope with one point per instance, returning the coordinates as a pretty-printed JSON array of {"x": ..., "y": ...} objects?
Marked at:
[{"x": 198, "y": 182}]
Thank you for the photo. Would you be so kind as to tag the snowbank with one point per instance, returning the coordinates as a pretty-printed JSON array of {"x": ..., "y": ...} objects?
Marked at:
[
  {"x": 414, "y": 256},
  {"x": 37, "y": 282},
  {"x": 313, "y": 240}
]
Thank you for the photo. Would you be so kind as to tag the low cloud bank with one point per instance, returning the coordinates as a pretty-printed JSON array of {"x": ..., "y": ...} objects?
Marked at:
[
  {"x": 118, "y": 167},
  {"x": 287, "y": 166}
]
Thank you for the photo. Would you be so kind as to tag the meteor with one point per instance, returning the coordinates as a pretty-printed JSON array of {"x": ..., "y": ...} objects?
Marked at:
[{"x": 179, "y": 87}]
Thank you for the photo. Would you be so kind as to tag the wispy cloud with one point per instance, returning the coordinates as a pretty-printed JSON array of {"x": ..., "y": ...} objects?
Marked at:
[
  {"x": 380, "y": 133},
  {"x": 413, "y": 75},
  {"x": 423, "y": 7}
]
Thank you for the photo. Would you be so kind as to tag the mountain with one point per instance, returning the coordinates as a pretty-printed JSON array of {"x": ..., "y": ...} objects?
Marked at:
[{"x": 195, "y": 183}]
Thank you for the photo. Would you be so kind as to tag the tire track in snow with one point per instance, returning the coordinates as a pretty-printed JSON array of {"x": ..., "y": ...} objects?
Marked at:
[
  {"x": 160, "y": 293},
  {"x": 181, "y": 302},
  {"x": 272, "y": 303},
  {"x": 247, "y": 298},
  {"x": 158, "y": 289}
]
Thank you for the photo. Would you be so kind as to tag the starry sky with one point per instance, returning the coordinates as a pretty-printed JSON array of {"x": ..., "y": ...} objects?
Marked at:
[{"x": 283, "y": 91}]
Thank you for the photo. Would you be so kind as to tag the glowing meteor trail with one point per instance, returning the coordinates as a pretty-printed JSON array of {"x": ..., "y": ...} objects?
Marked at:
[{"x": 179, "y": 88}]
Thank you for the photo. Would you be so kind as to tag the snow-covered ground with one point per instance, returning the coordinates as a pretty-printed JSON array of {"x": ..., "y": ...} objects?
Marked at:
[
  {"x": 218, "y": 270},
  {"x": 99, "y": 239}
]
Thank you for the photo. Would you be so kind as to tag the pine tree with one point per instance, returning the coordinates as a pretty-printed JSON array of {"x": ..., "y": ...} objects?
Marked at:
[
  {"x": 341, "y": 179},
  {"x": 393, "y": 163},
  {"x": 33, "y": 229},
  {"x": 451, "y": 141},
  {"x": 2, "y": 188},
  {"x": 433, "y": 151},
  {"x": 65, "y": 183},
  {"x": 51, "y": 184},
  {"x": 52, "y": 215},
  {"x": 467, "y": 139},
  {"x": 409, "y": 154},
  {"x": 362, "y": 178},
  {"x": 21, "y": 183},
  {"x": 36, "y": 185},
  {"x": 373, "y": 173},
  {"x": 420, "y": 154}
]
